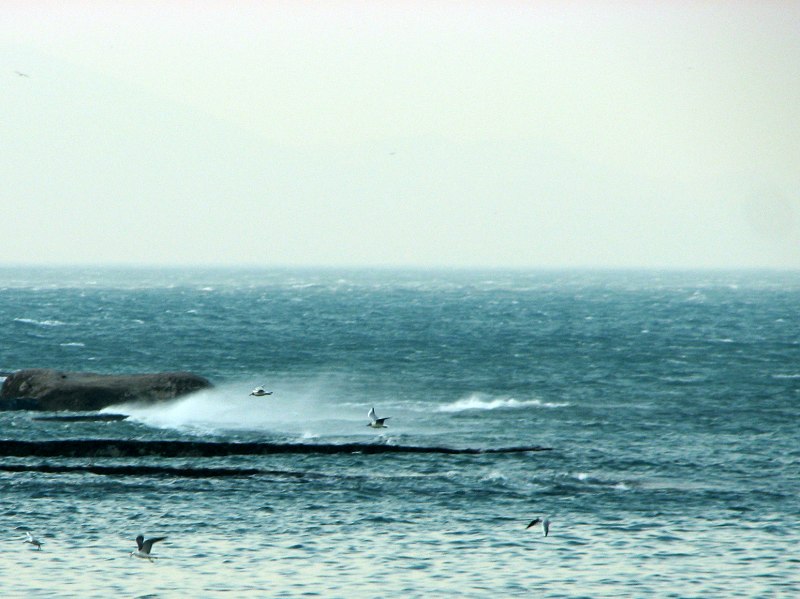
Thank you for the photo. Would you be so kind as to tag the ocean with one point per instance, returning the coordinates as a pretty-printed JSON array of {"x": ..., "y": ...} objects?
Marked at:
[{"x": 652, "y": 416}]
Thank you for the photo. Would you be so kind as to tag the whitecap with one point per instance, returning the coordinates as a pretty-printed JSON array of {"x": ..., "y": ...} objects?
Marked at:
[
  {"x": 786, "y": 376},
  {"x": 73, "y": 344},
  {"x": 494, "y": 476},
  {"x": 691, "y": 378},
  {"x": 476, "y": 402},
  {"x": 41, "y": 323}
]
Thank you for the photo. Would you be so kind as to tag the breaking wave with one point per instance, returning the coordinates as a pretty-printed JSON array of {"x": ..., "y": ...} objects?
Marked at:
[
  {"x": 477, "y": 402},
  {"x": 41, "y": 323}
]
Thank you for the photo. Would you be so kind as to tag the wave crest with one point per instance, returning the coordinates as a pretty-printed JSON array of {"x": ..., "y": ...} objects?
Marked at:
[
  {"x": 478, "y": 402},
  {"x": 41, "y": 323}
]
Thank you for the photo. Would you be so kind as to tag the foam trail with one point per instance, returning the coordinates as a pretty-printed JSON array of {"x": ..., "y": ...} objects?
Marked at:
[
  {"x": 477, "y": 402},
  {"x": 298, "y": 411},
  {"x": 41, "y": 323}
]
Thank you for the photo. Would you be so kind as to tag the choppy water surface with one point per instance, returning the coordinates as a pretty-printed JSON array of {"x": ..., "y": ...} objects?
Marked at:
[{"x": 669, "y": 400}]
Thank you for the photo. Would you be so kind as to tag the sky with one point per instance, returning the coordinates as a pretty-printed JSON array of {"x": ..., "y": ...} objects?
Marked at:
[{"x": 432, "y": 134}]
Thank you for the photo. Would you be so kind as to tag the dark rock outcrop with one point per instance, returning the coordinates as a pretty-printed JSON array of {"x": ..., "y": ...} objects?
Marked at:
[{"x": 54, "y": 390}]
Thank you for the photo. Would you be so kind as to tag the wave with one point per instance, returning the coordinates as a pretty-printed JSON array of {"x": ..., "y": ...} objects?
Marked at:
[
  {"x": 591, "y": 479},
  {"x": 41, "y": 323},
  {"x": 477, "y": 402},
  {"x": 684, "y": 380},
  {"x": 304, "y": 411},
  {"x": 294, "y": 409}
]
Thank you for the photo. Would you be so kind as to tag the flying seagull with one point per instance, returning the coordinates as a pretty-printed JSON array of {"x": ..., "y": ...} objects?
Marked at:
[
  {"x": 144, "y": 547},
  {"x": 259, "y": 392},
  {"x": 545, "y": 525},
  {"x": 21, "y": 74},
  {"x": 376, "y": 422},
  {"x": 29, "y": 538}
]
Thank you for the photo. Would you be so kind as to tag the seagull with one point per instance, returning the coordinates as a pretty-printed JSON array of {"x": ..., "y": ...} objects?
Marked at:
[
  {"x": 21, "y": 74},
  {"x": 259, "y": 392},
  {"x": 376, "y": 422},
  {"x": 545, "y": 525},
  {"x": 29, "y": 538},
  {"x": 144, "y": 547}
]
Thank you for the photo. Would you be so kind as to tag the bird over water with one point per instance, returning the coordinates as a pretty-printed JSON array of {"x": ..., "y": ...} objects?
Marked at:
[
  {"x": 144, "y": 547},
  {"x": 259, "y": 392},
  {"x": 376, "y": 422},
  {"x": 29, "y": 538},
  {"x": 545, "y": 525}
]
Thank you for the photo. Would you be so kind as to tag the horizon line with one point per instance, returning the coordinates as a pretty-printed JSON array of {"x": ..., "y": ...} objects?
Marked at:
[{"x": 396, "y": 267}]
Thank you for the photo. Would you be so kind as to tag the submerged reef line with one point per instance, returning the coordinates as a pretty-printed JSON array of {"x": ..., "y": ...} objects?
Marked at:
[
  {"x": 112, "y": 448},
  {"x": 140, "y": 470}
]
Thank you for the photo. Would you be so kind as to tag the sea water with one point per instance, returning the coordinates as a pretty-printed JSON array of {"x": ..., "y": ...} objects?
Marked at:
[{"x": 669, "y": 402}]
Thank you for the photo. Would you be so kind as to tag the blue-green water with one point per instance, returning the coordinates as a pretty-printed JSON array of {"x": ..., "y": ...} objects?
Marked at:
[{"x": 670, "y": 401}]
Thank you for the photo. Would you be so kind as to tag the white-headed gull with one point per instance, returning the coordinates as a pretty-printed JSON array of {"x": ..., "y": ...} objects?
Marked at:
[
  {"x": 376, "y": 422},
  {"x": 144, "y": 547},
  {"x": 29, "y": 538},
  {"x": 259, "y": 392}
]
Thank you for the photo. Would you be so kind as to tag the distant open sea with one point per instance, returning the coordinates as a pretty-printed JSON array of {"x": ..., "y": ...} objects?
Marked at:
[{"x": 669, "y": 402}]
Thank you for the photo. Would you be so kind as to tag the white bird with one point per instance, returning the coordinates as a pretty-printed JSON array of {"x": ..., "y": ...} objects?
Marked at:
[
  {"x": 545, "y": 525},
  {"x": 376, "y": 422},
  {"x": 259, "y": 392},
  {"x": 29, "y": 538},
  {"x": 144, "y": 547}
]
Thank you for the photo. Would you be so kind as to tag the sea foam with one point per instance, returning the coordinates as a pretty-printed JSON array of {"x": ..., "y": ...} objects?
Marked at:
[
  {"x": 41, "y": 323},
  {"x": 479, "y": 402}
]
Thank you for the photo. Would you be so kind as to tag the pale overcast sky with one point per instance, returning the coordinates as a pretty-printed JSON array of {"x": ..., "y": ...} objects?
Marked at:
[{"x": 400, "y": 133}]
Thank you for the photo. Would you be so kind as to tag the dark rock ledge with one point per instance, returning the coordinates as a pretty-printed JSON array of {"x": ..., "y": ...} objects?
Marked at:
[
  {"x": 126, "y": 448},
  {"x": 55, "y": 390},
  {"x": 141, "y": 470}
]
